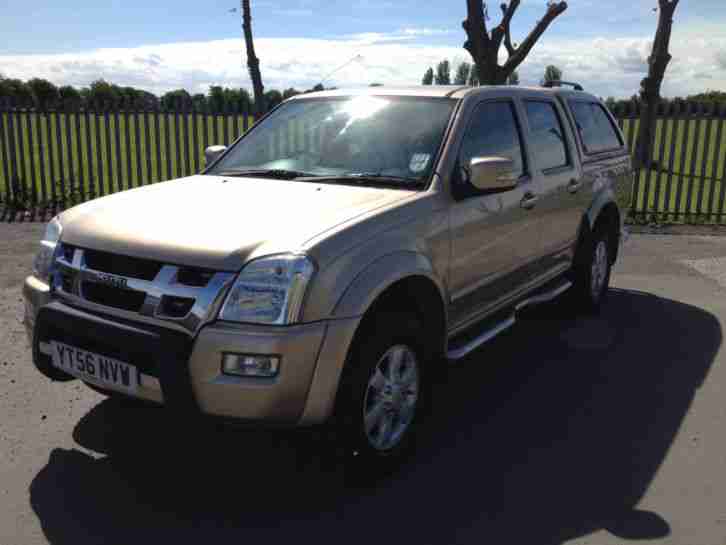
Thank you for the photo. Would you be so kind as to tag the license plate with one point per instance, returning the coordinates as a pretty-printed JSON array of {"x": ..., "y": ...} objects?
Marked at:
[{"x": 95, "y": 368}]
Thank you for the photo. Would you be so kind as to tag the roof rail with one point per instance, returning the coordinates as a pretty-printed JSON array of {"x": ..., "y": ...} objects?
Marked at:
[{"x": 558, "y": 83}]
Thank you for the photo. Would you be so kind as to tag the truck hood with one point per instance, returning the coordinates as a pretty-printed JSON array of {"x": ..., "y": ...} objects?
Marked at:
[{"x": 216, "y": 222}]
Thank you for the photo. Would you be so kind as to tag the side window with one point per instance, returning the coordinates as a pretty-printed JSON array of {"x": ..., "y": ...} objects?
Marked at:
[
  {"x": 596, "y": 130},
  {"x": 493, "y": 131},
  {"x": 546, "y": 135}
]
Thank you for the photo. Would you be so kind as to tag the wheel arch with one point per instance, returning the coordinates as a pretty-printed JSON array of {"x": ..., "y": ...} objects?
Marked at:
[
  {"x": 404, "y": 281},
  {"x": 605, "y": 211}
]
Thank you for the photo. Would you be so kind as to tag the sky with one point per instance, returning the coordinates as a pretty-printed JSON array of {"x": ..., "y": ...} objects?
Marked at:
[{"x": 159, "y": 45}]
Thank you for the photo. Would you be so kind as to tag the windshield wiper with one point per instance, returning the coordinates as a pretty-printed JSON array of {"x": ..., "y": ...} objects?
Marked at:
[
  {"x": 375, "y": 178},
  {"x": 277, "y": 173}
]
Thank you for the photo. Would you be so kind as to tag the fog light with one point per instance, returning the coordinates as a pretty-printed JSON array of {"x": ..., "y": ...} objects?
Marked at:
[{"x": 247, "y": 365}]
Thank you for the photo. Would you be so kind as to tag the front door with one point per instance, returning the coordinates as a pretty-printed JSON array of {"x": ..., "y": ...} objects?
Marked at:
[{"x": 494, "y": 237}]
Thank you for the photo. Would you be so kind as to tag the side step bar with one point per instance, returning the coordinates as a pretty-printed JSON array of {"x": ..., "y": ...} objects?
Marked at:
[{"x": 491, "y": 332}]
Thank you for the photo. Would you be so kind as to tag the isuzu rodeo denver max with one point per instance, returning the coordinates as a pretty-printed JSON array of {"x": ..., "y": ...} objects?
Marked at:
[{"x": 328, "y": 262}]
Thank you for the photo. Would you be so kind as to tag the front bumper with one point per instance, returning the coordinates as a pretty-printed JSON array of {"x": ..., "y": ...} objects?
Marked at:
[{"x": 185, "y": 373}]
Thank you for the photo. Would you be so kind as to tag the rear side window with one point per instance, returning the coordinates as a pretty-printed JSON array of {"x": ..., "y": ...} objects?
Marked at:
[
  {"x": 596, "y": 130},
  {"x": 546, "y": 135},
  {"x": 493, "y": 132}
]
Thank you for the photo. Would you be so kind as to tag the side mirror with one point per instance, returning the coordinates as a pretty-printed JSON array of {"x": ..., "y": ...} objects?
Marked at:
[
  {"x": 492, "y": 173},
  {"x": 213, "y": 152}
]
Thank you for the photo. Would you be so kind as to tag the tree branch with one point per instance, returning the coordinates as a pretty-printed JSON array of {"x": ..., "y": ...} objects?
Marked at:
[
  {"x": 503, "y": 31},
  {"x": 519, "y": 54}
]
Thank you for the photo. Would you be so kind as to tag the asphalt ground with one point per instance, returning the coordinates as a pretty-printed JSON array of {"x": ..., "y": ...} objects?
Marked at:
[{"x": 579, "y": 430}]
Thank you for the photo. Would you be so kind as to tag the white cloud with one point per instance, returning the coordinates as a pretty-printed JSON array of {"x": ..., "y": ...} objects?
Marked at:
[{"x": 606, "y": 66}]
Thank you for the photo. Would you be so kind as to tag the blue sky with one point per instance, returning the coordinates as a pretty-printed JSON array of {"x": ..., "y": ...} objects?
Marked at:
[{"x": 162, "y": 44}]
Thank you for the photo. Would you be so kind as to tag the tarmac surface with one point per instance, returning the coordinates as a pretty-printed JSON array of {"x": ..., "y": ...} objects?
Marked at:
[{"x": 597, "y": 430}]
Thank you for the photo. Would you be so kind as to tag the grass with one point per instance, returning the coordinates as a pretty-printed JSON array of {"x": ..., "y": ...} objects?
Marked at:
[
  {"x": 79, "y": 156},
  {"x": 689, "y": 184}
]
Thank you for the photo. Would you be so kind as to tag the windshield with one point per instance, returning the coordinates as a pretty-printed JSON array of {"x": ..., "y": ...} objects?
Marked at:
[{"x": 368, "y": 137}]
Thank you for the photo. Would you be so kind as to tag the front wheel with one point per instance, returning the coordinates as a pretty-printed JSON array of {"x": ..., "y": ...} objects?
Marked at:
[
  {"x": 382, "y": 393},
  {"x": 591, "y": 272}
]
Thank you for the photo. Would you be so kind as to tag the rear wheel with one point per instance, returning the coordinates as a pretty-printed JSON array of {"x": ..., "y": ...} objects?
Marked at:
[
  {"x": 382, "y": 392},
  {"x": 591, "y": 272}
]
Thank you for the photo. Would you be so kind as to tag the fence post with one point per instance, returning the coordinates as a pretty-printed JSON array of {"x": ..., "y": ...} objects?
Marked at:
[
  {"x": 125, "y": 114},
  {"x": 92, "y": 180},
  {"x": 694, "y": 156},
  {"x": 31, "y": 160},
  {"x": 69, "y": 152},
  {"x": 687, "y": 107},
  {"x": 137, "y": 144},
  {"x": 147, "y": 144},
  {"x": 722, "y": 176},
  {"x": 195, "y": 140},
  {"x": 708, "y": 110},
  {"x": 5, "y": 149},
  {"x": 675, "y": 126},
  {"x": 156, "y": 114},
  {"x": 99, "y": 150},
  {"x": 79, "y": 152},
  {"x": 177, "y": 137},
  {"x": 118, "y": 165}
]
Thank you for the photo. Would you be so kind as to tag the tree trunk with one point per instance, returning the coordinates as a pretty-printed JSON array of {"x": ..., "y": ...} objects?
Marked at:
[
  {"x": 253, "y": 63},
  {"x": 650, "y": 87},
  {"x": 483, "y": 46}
]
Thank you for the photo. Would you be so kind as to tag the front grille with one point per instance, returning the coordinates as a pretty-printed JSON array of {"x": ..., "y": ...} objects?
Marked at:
[
  {"x": 175, "y": 307},
  {"x": 158, "y": 291},
  {"x": 113, "y": 297},
  {"x": 122, "y": 265},
  {"x": 67, "y": 281},
  {"x": 194, "y": 277}
]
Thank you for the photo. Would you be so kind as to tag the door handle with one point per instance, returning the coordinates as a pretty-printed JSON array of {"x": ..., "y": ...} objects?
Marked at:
[
  {"x": 574, "y": 186},
  {"x": 529, "y": 200}
]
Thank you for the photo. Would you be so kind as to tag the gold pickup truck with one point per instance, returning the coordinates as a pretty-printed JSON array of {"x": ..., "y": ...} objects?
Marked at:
[{"x": 325, "y": 265}]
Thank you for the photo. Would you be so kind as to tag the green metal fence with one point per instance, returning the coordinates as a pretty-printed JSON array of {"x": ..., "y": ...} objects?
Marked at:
[{"x": 50, "y": 160}]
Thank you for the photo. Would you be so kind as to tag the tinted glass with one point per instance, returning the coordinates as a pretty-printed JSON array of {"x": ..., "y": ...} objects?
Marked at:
[
  {"x": 596, "y": 130},
  {"x": 493, "y": 132},
  {"x": 390, "y": 136},
  {"x": 546, "y": 135}
]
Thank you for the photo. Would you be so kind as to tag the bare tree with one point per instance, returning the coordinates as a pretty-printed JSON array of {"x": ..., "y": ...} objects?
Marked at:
[
  {"x": 484, "y": 46},
  {"x": 253, "y": 63},
  {"x": 650, "y": 86}
]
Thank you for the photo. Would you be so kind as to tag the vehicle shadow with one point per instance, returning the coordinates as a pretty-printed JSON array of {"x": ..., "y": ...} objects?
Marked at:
[{"x": 552, "y": 431}]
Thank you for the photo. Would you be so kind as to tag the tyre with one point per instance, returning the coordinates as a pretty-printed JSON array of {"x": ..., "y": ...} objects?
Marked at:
[
  {"x": 590, "y": 274},
  {"x": 382, "y": 393}
]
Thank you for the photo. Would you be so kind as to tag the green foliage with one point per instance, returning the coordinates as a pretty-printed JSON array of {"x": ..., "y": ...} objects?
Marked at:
[
  {"x": 474, "y": 79},
  {"x": 709, "y": 96},
  {"x": 428, "y": 78},
  {"x": 552, "y": 73},
  {"x": 70, "y": 97},
  {"x": 176, "y": 100},
  {"x": 273, "y": 98},
  {"x": 443, "y": 73},
  {"x": 103, "y": 95},
  {"x": 17, "y": 90},
  {"x": 462, "y": 73},
  {"x": 45, "y": 94}
]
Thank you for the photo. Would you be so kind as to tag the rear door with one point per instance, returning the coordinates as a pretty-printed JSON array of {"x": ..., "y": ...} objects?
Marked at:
[{"x": 555, "y": 165}]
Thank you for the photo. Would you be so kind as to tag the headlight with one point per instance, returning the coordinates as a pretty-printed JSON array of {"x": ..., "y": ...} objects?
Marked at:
[
  {"x": 269, "y": 290},
  {"x": 46, "y": 254}
]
